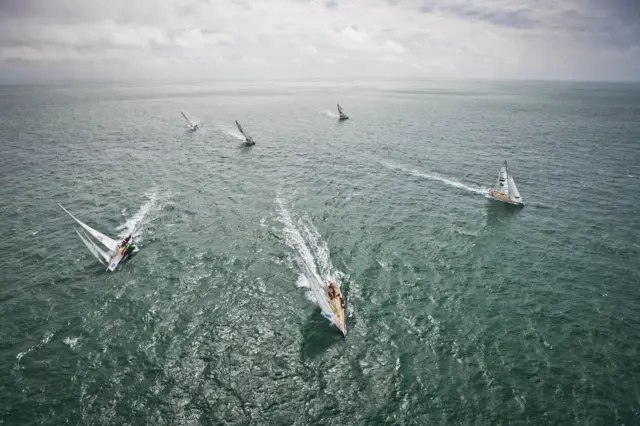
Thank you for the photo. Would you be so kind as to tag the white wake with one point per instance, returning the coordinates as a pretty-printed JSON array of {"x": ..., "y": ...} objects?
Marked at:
[
  {"x": 451, "y": 182},
  {"x": 312, "y": 252},
  {"x": 135, "y": 224}
]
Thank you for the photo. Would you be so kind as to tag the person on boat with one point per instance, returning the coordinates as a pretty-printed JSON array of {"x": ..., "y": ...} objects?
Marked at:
[
  {"x": 126, "y": 240},
  {"x": 129, "y": 248},
  {"x": 126, "y": 243},
  {"x": 341, "y": 302},
  {"x": 331, "y": 291}
]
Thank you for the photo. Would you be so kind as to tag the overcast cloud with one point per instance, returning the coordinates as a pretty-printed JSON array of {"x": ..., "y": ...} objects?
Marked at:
[{"x": 123, "y": 39}]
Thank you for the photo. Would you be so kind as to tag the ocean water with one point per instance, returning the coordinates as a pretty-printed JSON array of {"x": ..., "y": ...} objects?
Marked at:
[{"x": 460, "y": 310}]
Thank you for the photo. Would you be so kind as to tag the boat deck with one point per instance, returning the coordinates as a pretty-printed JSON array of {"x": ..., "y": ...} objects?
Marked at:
[{"x": 335, "y": 305}]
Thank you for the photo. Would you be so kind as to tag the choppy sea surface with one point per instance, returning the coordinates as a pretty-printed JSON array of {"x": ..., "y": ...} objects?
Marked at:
[{"x": 459, "y": 310}]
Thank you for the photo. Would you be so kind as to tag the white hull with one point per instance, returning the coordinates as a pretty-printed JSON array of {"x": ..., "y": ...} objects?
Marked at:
[
  {"x": 115, "y": 261},
  {"x": 118, "y": 259}
]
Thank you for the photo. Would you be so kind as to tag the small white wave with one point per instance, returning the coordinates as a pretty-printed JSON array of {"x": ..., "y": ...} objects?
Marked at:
[
  {"x": 451, "y": 182},
  {"x": 384, "y": 265},
  {"x": 45, "y": 339},
  {"x": 22, "y": 354},
  {"x": 72, "y": 342},
  {"x": 331, "y": 114}
]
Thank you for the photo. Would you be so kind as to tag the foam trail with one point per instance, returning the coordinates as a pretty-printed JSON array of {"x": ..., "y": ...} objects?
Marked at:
[
  {"x": 305, "y": 240},
  {"x": 312, "y": 251},
  {"x": 135, "y": 225},
  {"x": 450, "y": 182},
  {"x": 303, "y": 282},
  {"x": 331, "y": 114}
]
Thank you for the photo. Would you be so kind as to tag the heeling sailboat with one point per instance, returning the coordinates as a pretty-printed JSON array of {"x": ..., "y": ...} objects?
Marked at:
[
  {"x": 343, "y": 116},
  {"x": 506, "y": 190},
  {"x": 116, "y": 253},
  {"x": 248, "y": 139},
  {"x": 192, "y": 126}
]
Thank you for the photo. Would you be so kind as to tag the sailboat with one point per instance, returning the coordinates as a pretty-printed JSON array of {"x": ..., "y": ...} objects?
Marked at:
[
  {"x": 343, "y": 116},
  {"x": 192, "y": 126},
  {"x": 116, "y": 254},
  {"x": 336, "y": 303},
  {"x": 249, "y": 140},
  {"x": 506, "y": 190},
  {"x": 331, "y": 308}
]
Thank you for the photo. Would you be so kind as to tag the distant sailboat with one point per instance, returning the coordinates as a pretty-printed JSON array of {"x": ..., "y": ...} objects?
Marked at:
[
  {"x": 192, "y": 126},
  {"x": 343, "y": 116},
  {"x": 506, "y": 190},
  {"x": 249, "y": 140},
  {"x": 117, "y": 252}
]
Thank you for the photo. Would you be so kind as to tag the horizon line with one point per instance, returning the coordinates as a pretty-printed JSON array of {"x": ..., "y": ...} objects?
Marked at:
[{"x": 341, "y": 80}]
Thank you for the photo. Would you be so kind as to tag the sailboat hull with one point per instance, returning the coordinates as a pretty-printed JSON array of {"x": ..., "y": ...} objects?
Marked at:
[
  {"x": 498, "y": 196},
  {"x": 119, "y": 258},
  {"x": 337, "y": 309}
]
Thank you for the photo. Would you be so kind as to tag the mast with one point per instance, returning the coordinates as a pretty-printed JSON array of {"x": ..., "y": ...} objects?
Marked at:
[
  {"x": 506, "y": 170},
  {"x": 186, "y": 118}
]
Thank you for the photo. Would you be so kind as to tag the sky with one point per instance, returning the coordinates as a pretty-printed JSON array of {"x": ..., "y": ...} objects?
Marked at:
[{"x": 43, "y": 40}]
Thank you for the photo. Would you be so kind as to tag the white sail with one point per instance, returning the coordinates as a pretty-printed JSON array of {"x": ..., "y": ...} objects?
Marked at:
[
  {"x": 97, "y": 252},
  {"x": 106, "y": 241},
  {"x": 513, "y": 190},
  {"x": 503, "y": 185},
  {"x": 188, "y": 121}
]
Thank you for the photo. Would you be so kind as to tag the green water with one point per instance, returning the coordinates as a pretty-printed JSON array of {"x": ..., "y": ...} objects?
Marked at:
[{"x": 460, "y": 311}]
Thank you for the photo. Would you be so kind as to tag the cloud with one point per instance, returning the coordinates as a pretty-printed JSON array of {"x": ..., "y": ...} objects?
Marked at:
[
  {"x": 254, "y": 61},
  {"x": 311, "y": 49},
  {"x": 572, "y": 39},
  {"x": 392, "y": 59},
  {"x": 392, "y": 46}
]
